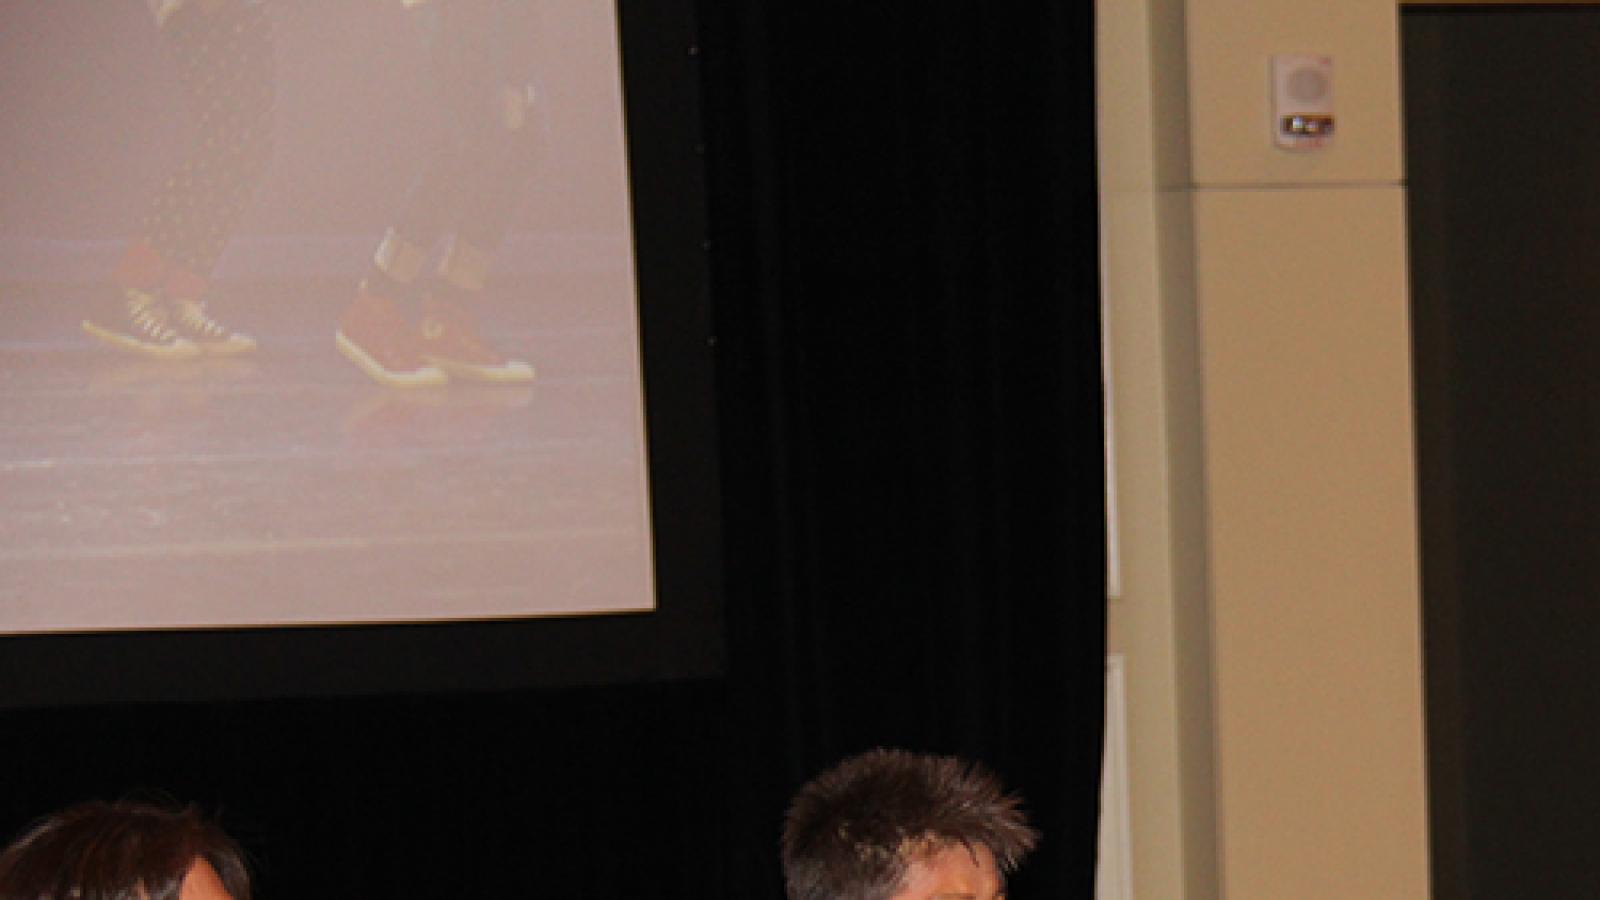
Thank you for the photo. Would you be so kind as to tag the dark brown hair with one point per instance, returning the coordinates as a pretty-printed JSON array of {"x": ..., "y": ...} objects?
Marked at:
[
  {"x": 127, "y": 850},
  {"x": 852, "y": 832}
]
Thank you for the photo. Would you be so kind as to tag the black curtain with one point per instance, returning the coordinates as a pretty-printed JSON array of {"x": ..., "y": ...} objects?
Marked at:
[
  {"x": 906, "y": 254},
  {"x": 904, "y": 246}
]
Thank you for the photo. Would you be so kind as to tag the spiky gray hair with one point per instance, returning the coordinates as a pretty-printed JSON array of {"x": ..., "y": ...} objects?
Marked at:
[{"x": 851, "y": 833}]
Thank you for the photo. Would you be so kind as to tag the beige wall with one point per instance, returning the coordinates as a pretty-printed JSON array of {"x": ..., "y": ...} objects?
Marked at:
[{"x": 1260, "y": 355}]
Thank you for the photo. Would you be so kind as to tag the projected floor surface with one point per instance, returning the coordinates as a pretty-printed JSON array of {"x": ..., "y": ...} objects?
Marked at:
[{"x": 285, "y": 487}]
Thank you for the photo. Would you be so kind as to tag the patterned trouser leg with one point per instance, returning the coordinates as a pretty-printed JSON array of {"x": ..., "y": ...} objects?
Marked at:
[
  {"x": 484, "y": 152},
  {"x": 226, "y": 68}
]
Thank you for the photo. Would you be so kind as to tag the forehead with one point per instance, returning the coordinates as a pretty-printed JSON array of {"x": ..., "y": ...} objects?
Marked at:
[
  {"x": 956, "y": 872},
  {"x": 203, "y": 883}
]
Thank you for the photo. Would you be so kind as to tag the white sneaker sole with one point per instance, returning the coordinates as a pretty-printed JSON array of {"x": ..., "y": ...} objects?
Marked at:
[
  {"x": 235, "y": 345},
  {"x": 181, "y": 348},
  {"x": 511, "y": 372},
  {"x": 427, "y": 376}
]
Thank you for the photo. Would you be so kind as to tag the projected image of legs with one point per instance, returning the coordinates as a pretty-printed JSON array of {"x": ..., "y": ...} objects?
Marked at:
[
  {"x": 223, "y": 57},
  {"x": 485, "y": 130},
  {"x": 162, "y": 469}
]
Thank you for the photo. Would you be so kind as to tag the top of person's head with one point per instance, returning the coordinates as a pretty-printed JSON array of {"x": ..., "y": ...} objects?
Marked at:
[
  {"x": 127, "y": 850},
  {"x": 854, "y": 831}
]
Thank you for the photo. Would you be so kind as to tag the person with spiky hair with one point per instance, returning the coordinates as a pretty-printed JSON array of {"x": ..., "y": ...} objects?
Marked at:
[
  {"x": 124, "y": 851},
  {"x": 896, "y": 825}
]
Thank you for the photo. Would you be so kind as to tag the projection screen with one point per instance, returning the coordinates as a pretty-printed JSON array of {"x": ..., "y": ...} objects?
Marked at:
[{"x": 285, "y": 485}]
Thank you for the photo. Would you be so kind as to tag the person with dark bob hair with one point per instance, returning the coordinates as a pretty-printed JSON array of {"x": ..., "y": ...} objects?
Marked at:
[
  {"x": 894, "y": 825},
  {"x": 124, "y": 851}
]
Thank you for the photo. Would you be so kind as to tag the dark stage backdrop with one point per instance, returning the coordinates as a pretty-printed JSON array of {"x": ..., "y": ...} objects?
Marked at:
[
  {"x": 905, "y": 289},
  {"x": 906, "y": 262}
]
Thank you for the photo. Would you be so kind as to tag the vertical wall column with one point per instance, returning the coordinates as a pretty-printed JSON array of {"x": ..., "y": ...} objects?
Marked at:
[
  {"x": 1159, "y": 621},
  {"x": 1270, "y": 612},
  {"x": 1303, "y": 348}
]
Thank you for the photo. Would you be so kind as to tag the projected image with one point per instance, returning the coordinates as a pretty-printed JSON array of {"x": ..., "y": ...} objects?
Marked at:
[{"x": 316, "y": 313}]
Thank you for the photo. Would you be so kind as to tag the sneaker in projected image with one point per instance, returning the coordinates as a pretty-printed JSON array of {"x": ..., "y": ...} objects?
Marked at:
[
  {"x": 378, "y": 339},
  {"x": 140, "y": 322},
  {"x": 450, "y": 340},
  {"x": 190, "y": 319}
]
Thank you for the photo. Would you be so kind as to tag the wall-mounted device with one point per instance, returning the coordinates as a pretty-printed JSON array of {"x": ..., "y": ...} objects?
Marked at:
[{"x": 1302, "y": 101}]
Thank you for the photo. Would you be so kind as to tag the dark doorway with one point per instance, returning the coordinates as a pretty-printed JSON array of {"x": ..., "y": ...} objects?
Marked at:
[{"x": 1503, "y": 141}]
